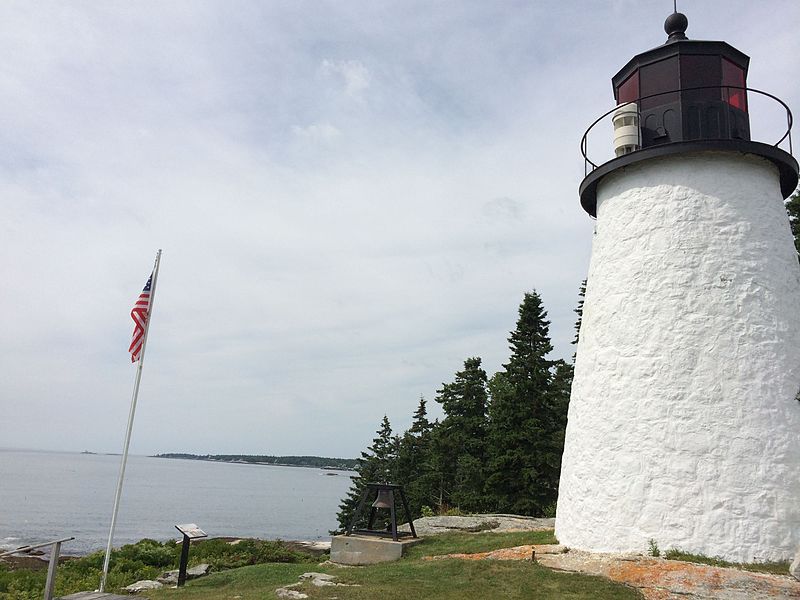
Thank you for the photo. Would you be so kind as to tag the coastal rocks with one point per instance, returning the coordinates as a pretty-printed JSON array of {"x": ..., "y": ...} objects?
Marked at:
[
  {"x": 314, "y": 546},
  {"x": 171, "y": 577},
  {"x": 315, "y": 579},
  {"x": 477, "y": 523},
  {"x": 144, "y": 584},
  {"x": 321, "y": 579},
  {"x": 660, "y": 579},
  {"x": 285, "y": 592},
  {"x": 794, "y": 568}
]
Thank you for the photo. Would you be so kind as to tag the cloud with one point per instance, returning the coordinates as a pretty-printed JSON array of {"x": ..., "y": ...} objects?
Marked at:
[
  {"x": 353, "y": 74},
  {"x": 503, "y": 209},
  {"x": 352, "y": 198},
  {"x": 317, "y": 131}
]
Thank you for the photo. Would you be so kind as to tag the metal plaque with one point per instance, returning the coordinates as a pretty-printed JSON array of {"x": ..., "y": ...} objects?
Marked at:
[{"x": 191, "y": 531}]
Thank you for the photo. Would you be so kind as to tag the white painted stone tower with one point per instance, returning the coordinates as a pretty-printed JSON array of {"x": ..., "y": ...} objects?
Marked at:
[{"x": 684, "y": 426}]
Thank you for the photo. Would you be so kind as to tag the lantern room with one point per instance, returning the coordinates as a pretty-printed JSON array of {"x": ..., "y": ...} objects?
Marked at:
[
  {"x": 686, "y": 89},
  {"x": 683, "y": 97}
]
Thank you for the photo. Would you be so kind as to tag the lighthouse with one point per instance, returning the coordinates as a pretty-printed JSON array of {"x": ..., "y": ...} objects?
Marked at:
[{"x": 684, "y": 419}]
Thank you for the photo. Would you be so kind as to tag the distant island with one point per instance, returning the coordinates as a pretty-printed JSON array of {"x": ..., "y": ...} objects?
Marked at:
[{"x": 317, "y": 462}]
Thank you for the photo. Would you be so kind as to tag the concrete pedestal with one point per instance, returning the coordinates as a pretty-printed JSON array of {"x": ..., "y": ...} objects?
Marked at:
[{"x": 367, "y": 550}]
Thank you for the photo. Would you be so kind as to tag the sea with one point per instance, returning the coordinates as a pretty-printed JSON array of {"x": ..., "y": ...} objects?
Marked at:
[{"x": 50, "y": 495}]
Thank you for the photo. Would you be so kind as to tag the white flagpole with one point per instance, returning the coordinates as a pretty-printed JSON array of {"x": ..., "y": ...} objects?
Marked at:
[{"x": 118, "y": 494}]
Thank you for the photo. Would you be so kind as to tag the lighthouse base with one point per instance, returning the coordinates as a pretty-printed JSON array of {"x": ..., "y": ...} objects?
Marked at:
[{"x": 684, "y": 427}]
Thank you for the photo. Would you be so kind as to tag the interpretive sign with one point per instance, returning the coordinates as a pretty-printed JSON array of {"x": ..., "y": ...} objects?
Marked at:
[{"x": 190, "y": 531}]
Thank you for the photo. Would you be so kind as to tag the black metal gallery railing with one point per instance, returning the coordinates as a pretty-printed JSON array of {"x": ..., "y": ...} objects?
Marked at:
[{"x": 725, "y": 96}]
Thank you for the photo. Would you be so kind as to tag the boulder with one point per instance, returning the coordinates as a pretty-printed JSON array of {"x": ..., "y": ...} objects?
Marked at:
[
  {"x": 289, "y": 594},
  {"x": 198, "y": 571},
  {"x": 316, "y": 579},
  {"x": 144, "y": 584},
  {"x": 319, "y": 579},
  {"x": 171, "y": 577}
]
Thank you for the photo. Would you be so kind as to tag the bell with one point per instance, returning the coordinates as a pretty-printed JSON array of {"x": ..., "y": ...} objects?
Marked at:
[{"x": 385, "y": 499}]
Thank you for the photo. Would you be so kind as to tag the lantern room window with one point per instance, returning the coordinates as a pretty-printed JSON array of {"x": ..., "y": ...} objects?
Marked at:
[
  {"x": 659, "y": 77},
  {"x": 629, "y": 89},
  {"x": 700, "y": 71},
  {"x": 733, "y": 74}
]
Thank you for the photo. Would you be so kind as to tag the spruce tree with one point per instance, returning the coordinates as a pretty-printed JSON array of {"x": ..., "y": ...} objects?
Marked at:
[
  {"x": 414, "y": 469},
  {"x": 527, "y": 417},
  {"x": 459, "y": 442},
  {"x": 376, "y": 465}
]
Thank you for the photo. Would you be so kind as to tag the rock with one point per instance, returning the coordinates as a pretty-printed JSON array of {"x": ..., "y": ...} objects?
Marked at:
[
  {"x": 660, "y": 578},
  {"x": 198, "y": 571},
  {"x": 794, "y": 568},
  {"x": 285, "y": 592},
  {"x": 316, "y": 579},
  {"x": 144, "y": 584},
  {"x": 168, "y": 578},
  {"x": 319, "y": 579},
  {"x": 477, "y": 523},
  {"x": 320, "y": 546},
  {"x": 171, "y": 577}
]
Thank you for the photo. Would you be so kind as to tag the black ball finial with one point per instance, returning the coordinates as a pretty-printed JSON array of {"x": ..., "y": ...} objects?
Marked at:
[{"x": 675, "y": 26}]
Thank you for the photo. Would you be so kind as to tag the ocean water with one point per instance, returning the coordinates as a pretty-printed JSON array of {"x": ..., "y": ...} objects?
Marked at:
[{"x": 49, "y": 495}]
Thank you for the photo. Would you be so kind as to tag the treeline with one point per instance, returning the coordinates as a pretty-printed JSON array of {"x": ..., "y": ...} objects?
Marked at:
[
  {"x": 498, "y": 447},
  {"x": 320, "y": 462}
]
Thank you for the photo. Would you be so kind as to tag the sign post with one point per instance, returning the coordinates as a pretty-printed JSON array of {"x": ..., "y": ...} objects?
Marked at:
[{"x": 190, "y": 532}]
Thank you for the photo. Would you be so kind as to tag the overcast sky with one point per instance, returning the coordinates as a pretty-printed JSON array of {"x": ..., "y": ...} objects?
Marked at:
[{"x": 352, "y": 198}]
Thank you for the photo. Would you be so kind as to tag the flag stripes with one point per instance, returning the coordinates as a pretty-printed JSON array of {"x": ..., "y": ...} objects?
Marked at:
[{"x": 139, "y": 314}]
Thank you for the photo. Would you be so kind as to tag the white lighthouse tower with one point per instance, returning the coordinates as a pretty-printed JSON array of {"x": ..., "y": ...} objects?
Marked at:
[{"x": 684, "y": 423}]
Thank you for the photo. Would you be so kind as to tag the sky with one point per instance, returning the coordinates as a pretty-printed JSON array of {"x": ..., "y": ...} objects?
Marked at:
[{"x": 352, "y": 198}]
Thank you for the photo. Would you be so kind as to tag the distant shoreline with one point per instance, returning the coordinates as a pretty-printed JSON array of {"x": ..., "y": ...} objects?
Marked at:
[{"x": 314, "y": 462}]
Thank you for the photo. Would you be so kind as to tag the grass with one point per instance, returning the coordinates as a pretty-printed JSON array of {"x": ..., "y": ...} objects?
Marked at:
[
  {"x": 450, "y": 543},
  {"x": 776, "y": 568},
  {"x": 246, "y": 583},
  {"x": 413, "y": 577}
]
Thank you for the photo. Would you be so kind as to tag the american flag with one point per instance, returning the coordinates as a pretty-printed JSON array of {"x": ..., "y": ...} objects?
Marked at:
[{"x": 139, "y": 314}]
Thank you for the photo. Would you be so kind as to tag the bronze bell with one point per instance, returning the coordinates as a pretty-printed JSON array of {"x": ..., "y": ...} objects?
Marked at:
[{"x": 385, "y": 499}]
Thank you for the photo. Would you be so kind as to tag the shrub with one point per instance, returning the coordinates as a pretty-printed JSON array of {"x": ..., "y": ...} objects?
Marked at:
[
  {"x": 146, "y": 559},
  {"x": 148, "y": 553}
]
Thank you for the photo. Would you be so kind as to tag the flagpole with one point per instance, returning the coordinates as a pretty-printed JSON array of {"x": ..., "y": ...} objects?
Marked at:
[{"x": 135, "y": 396}]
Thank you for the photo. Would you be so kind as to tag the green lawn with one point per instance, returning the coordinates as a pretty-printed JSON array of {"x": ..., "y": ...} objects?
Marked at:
[
  {"x": 414, "y": 578},
  {"x": 450, "y": 543}
]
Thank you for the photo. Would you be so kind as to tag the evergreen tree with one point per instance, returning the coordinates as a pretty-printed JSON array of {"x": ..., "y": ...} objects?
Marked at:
[
  {"x": 527, "y": 417},
  {"x": 459, "y": 442},
  {"x": 420, "y": 425},
  {"x": 793, "y": 208},
  {"x": 376, "y": 465},
  {"x": 414, "y": 469}
]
